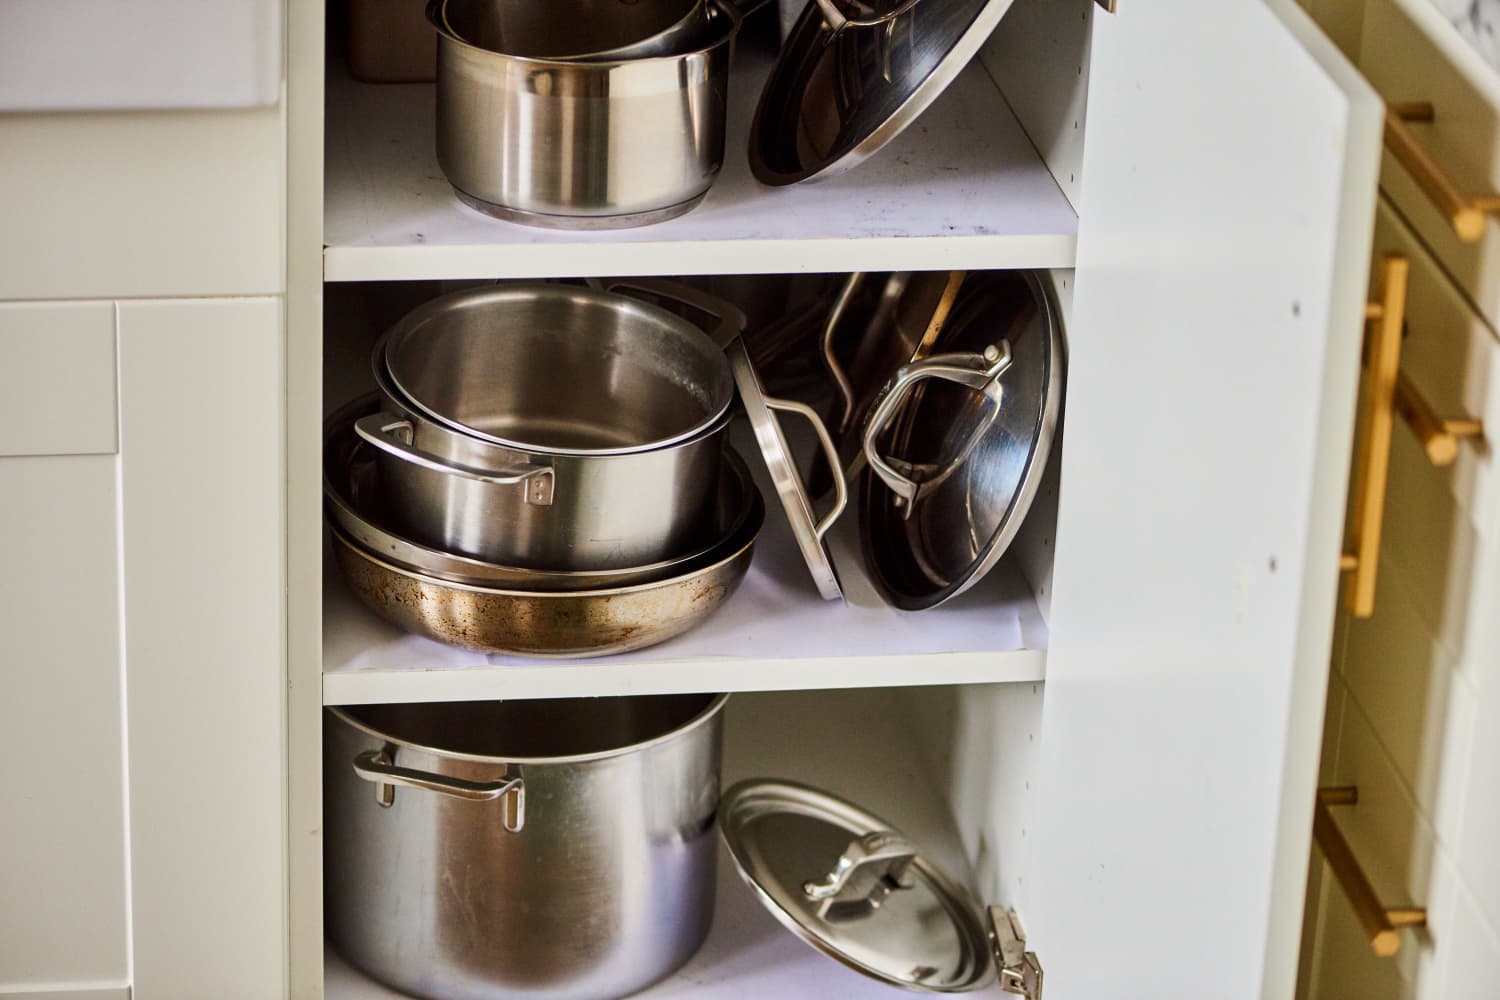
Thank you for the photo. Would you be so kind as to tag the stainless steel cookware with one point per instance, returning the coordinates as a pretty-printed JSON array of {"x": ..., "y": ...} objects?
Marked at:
[
  {"x": 583, "y": 144},
  {"x": 575, "y": 29},
  {"x": 958, "y": 441},
  {"x": 552, "y": 426},
  {"x": 852, "y": 75},
  {"x": 568, "y": 621},
  {"x": 352, "y": 502},
  {"x": 550, "y": 850}
]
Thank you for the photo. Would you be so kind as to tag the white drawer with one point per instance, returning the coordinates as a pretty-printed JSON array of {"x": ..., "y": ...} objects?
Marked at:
[
  {"x": 57, "y": 380},
  {"x": 1409, "y": 52}
]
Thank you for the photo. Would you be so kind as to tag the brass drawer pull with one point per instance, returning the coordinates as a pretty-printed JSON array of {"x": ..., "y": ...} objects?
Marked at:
[
  {"x": 1466, "y": 213},
  {"x": 1381, "y": 923},
  {"x": 1388, "y": 393},
  {"x": 1439, "y": 435}
]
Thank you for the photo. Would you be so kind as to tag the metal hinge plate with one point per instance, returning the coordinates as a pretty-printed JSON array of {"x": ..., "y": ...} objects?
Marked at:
[{"x": 1020, "y": 970}]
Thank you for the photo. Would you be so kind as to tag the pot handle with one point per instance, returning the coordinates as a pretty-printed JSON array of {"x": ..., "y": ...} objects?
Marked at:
[
  {"x": 837, "y": 20},
  {"x": 377, "y": 767},
  {"x": 980, "y": 372},
  {"x": 830, "y": 359},
  {"x": 393, "y": 435},
  {"x": 730, "y": 320},
  {"x": 830, "y": 454}
]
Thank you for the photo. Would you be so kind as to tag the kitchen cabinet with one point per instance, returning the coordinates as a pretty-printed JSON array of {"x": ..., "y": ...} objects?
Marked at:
[
  {"x": 1117, "y": 735},
  {"x": 1137, "y": 757}
]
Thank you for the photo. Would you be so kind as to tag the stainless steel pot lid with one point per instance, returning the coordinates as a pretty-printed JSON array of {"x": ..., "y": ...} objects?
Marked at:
[
  {"x": 846, "y": 883},
  {"x": 852, "y": 75},
  {"x": 957, "y": 443},
  {"x": 808, "y": 528}
]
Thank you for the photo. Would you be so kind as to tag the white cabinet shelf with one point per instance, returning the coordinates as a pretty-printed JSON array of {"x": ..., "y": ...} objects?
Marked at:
[
  {"x": 858, "y": 744},
  {"x": 961, "y": 188},
  {"x": 774, "y": 634}
]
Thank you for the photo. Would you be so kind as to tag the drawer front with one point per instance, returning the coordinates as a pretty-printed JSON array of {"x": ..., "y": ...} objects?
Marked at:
[
  {"x": 1442, "y": 524},
  {"x": 57, "y": 379},
  {"x": 1410, "y": 53},
  {"x": 1406, "y": 864}
]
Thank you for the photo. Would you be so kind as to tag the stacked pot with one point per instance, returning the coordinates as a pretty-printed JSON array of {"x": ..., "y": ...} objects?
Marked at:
[
  {"x": 594, "y": 114},
  {"x": 544, "y": 470}
]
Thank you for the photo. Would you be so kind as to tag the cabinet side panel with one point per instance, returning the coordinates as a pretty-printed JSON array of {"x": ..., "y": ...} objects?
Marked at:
[
  {"x": 1039, "y": 57},
  {"x": 1214, "y": 351},
  {"x": 62, "y": 807},
  {"x": 201, "y": 450}
]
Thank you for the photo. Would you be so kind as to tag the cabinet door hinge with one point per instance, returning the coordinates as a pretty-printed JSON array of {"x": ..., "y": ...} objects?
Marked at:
[{"x": 1020, "y": 970}]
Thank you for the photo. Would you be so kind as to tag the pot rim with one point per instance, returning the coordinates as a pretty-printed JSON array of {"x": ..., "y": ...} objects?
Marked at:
[
  {"x": 728, "y": 10},
  {"x": 390, "y": 386},
  {"x": 713, "y": 708}
]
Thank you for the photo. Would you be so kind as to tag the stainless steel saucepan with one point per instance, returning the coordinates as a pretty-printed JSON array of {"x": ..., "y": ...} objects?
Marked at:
[
  {"x": 552, "y": 426},
  {"x": 583, "y": 144},
  {"x": 352, "y": 502}
]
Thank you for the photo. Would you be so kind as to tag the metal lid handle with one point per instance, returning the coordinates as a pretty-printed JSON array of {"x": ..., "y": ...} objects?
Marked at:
[
  {"x": 837, "y": 20},
  {"x": 393, "y": 435},
  {"x": 980, "y": 372},
  {"x": 830, "y": 452},
  {"x": 377, "y": 766}
]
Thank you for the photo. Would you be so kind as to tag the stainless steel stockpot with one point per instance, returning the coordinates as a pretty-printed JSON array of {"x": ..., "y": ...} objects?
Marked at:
[
  {"x": 552, "y": 426},
  {"x": 596, "y": 144},
  {"x": 536, "y": 849}
]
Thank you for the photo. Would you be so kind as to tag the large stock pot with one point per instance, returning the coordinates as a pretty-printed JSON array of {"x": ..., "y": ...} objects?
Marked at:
[{"x": 549, "y": 850}]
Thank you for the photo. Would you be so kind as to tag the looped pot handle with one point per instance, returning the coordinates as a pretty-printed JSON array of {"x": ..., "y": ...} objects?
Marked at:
[
  {"x": 830, "y": 359},
  {"x": 376, "y": 766},
  {"x": 830, "y": 453},
  {"x": 729, "y": 320},
  {"x": 980, "y": 372},
  {"x": 393, "y": 435},
  {"x": 837, "y": 20}
]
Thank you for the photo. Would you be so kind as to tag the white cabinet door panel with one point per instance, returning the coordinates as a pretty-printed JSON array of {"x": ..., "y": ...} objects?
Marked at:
[
  {"x": 201, "y": 441},
  {"x": 57, "y": 385},
  {"x": 62, "y": 805},
  {"x": 1229, "y": 185}
]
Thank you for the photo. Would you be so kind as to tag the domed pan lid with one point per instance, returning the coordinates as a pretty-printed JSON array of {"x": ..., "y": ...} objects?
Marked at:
[
  {"x": 849, "y": 80},
  {"x": 849, "y": 885},
  {"x": 957, "y": 443}
]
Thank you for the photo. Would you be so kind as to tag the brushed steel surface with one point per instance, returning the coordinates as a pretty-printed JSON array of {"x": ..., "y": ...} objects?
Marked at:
[
  {"x": 626, "y": 403},
  {"x": 351, "y": 492},
  {"x": 840, "y": 93},
  {"x": 974, "y": 466},
  {"x": 607, "y": 887},
  {"x": 573, "y": 29},
  {"x": 583, "y": 143},
  {"x": 575, "y": 624}
]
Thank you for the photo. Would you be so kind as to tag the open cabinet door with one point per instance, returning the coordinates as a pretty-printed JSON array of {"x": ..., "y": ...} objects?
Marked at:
[{"x": 1228, "y": 198}]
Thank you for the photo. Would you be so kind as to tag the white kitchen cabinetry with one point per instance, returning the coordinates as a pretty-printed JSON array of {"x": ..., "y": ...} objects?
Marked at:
[
  {"x": 63, "y": 919},
  {"x": 1136, "y": 773},
  {"x": 202, "y": 564}
]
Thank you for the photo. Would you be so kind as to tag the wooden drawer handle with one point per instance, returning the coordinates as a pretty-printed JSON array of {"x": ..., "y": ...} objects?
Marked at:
[
  {"x": 1381, "y": 923},
  {"x": 1465, "y": 213},
  {"x": 1389, "y": 393}
]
